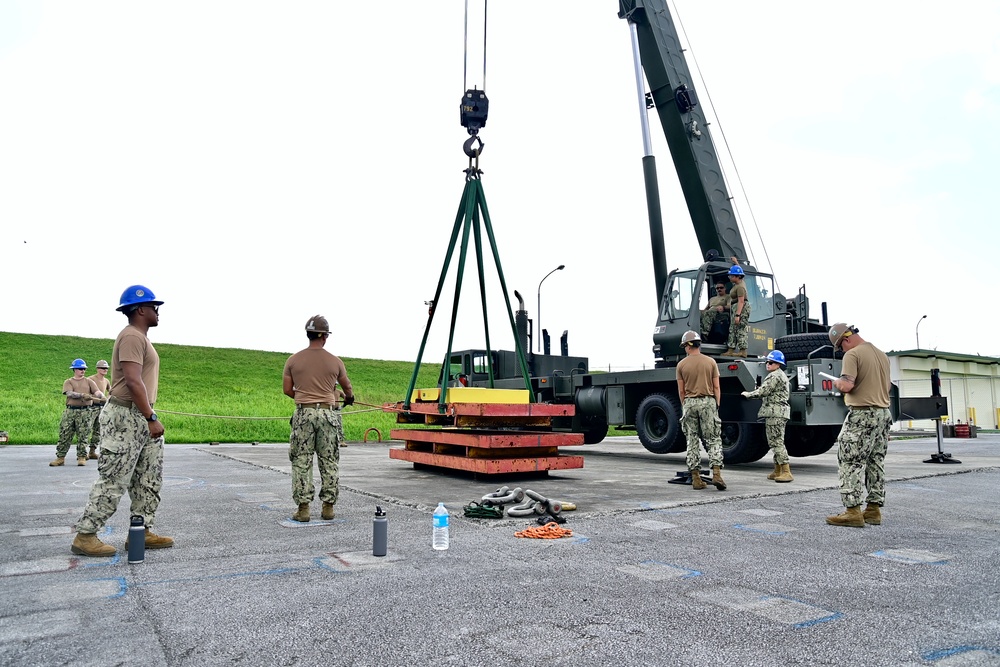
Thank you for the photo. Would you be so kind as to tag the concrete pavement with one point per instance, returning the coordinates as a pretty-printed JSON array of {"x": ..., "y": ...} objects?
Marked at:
[{"x": 655, "y": 573}]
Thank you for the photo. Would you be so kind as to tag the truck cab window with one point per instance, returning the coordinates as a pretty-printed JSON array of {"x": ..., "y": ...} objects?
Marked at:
[
  {"x": 680, "y": 295},
  {"x": 760, "y": 289}
]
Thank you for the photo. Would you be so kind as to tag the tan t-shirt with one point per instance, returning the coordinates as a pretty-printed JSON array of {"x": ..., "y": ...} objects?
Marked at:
[
  {"x": 103, "y": 385},
  {"x": 869, "y": 367},
  {"x": 315, "y": 374},
  {"x": 132, "y": 345},
  {"x": 719, "y": 300},
  {"x": 738, "y": 290},
  {"x": 81, "y": 386},
  {"x": 698, "y": 372}
]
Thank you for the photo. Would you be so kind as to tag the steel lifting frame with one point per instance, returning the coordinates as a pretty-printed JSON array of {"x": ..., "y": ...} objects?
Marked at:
[{"x": 472, "y": 213}]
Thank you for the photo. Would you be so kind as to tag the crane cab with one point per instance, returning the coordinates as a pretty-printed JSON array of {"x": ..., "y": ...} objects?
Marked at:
[{"x": 687, "y": 296}]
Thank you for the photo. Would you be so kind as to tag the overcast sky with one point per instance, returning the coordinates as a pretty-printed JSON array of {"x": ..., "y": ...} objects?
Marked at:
[{"x": 255, "y": 163}]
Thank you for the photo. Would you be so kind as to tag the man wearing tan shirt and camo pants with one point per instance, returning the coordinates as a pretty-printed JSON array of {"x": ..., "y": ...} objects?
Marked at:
[
  {"x": 104, "y": 385},
  {"x": 864, "y": 437},
  {"x": 80, "y": 393},
  {"x": 310, "y": 378},
  {"x": 698, "y": 387},
  {"x": 131, "y": 433}
]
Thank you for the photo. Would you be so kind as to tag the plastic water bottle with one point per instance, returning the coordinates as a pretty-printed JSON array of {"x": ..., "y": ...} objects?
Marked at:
[
  {"x": 136, "y": 539},
  {"x": 440, "y": 538},
  {"x": 380, "y": 532}
]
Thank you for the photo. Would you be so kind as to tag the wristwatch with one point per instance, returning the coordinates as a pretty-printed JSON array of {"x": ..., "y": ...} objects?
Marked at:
[{"x": 152, "y": 417}]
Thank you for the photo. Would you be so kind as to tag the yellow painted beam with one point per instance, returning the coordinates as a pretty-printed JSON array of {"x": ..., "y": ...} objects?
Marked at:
[{"x": 472, "y": 395}]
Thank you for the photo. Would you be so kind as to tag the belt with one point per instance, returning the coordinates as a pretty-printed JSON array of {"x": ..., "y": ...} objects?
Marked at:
[
  {"x": 77, "y": 407},
  {"x": 316, "y": 406},
  {"x": 866, "y": 407},
  {"x": 124, "y": 404}
]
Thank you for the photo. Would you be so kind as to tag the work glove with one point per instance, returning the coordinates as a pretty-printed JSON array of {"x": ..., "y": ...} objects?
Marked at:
[
  {"x": 349, "y": 400},
  {"x": 745, "y": 394}
]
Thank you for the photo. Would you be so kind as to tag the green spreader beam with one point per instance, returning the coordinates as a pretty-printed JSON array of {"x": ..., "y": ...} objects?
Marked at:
[{"x": 472, "y": 213}]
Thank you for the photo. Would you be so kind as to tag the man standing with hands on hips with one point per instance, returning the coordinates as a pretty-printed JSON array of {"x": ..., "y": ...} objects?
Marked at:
[
  {"x": 700, "y": 394},
  {"x": 310, "y": 378},
  {"x": 131, "y": 434},
  {"x": 864, "y": 437}
]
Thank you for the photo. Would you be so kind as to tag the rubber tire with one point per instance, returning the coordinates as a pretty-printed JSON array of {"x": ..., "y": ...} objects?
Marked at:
[
  {"x": 658, "y": 423},
  {"x": 743, "y": 442},
  {"x": 797, "y": 347},
  {"x": 810, "y": 440}
]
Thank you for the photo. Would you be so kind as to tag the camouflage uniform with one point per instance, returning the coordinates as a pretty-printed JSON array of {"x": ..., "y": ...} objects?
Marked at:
[
  {"x": 700, "y": 421},
  {"x": 94, "y": 415},
  {"x": 774, "y": 411},
  {"x": 738, "y": 331},
  {"x": 315, "y": 430},
  {"x": 75, "y": 422},
  {"x": 130, "y": 460},
  {"x": 95, "y": 409},
  {"x": 710, "y": 314},
  {"x": 861, "y": 448}
]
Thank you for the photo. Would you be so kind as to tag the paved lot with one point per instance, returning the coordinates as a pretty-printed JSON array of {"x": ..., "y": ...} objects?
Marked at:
[{"x": 655, "y": 573}]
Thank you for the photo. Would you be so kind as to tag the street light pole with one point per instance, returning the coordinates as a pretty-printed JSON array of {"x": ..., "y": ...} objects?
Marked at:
[
  {"x": 917, "y": 330},
  {"x": 538, "y": 310}
]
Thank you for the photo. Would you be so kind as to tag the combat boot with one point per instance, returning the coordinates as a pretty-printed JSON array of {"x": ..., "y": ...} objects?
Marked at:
[
  {"x": 60, "y": 460},
  {"x": 717, "y": 478},
  {"x": 851, "y": 517},
  {"x": 873, "y": 514},
  {"x": 777, "y": 471},
  {"x": 730, "y": 352},
  {"x": 93, "y": 452},
  {"x": 327, "y": 513},
  {"x": 784, "y": 474},
  {"x": 741, "y": 353},
  {"x": 81, "y": 460},
  {"x": 302, "y": 515},
  {"x": 697, "y": 483},
  {"x": 87, "y": 544},
  {"x": 154, "y": 541}
]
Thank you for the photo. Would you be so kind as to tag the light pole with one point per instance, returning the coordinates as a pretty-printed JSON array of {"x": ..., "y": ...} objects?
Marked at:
[
  {"x": 917, "y": 330},
  {"x": 538, "y": 311}
]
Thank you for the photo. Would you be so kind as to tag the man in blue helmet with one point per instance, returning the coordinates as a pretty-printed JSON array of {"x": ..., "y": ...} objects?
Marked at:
[
  {"x": 774, "y": 410},
  {"x": 131, "y": 434},
  {"x": 739, "y": 314},
  {"x": 76, "y": 420}
]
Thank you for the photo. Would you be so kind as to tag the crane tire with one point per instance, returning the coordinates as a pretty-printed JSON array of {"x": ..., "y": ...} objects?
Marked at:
[
  {"x": 798, "y": 346},
  {"x": 658, "y": 423},
  {"x": 743, "y": 442},
  {"x": 810, "y": 440}
]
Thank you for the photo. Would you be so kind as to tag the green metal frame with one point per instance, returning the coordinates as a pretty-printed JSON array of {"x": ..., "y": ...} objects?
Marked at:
[{"x": 472, "y": 214}]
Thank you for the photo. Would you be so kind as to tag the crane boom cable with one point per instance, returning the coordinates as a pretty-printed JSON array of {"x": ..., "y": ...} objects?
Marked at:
[
  {"x": 725, "y": 142},
  {"x": 465, "y": 46}
]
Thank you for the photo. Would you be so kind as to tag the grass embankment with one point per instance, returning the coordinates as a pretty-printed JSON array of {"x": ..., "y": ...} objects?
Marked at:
[{"x": 193, "y": 380}]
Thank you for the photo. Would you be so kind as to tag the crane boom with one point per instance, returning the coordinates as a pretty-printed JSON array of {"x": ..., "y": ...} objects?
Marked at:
[{"x": 691, "y": 148}]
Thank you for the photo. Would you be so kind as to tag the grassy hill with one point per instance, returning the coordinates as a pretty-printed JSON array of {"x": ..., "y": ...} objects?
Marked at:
[{"x": 245, "y": 384}]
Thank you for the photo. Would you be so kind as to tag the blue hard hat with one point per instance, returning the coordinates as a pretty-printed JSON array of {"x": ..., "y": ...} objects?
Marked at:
[
  {"x": 136, "y": 295},
  {"x": 735, "y": 270},
  {"x": 79, "y": 363},
  {"x": 776, "y": 356}
]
